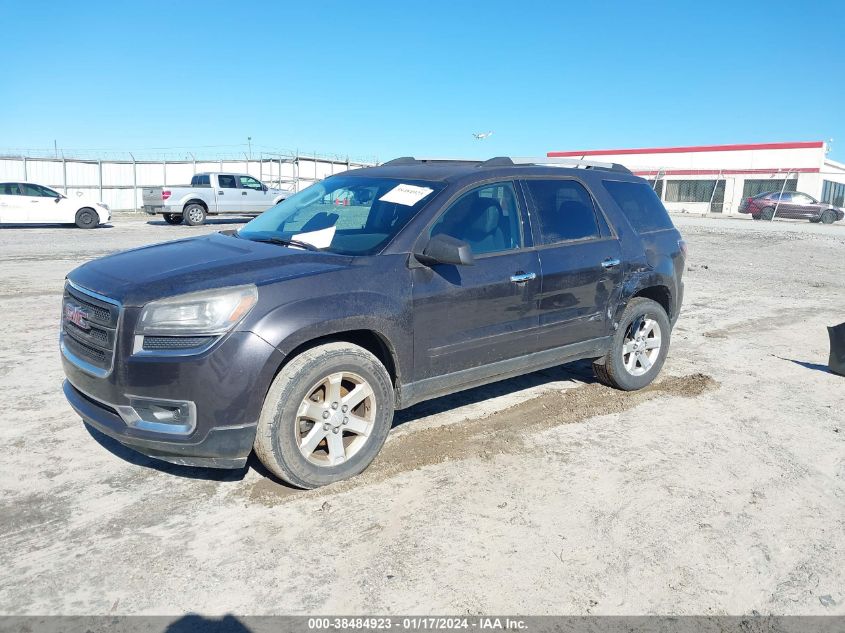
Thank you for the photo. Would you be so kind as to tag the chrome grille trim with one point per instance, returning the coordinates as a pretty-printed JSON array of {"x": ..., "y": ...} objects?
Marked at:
[{"x": 84, "y": 348}]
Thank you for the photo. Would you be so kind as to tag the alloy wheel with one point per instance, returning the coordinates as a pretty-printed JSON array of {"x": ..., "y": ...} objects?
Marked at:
[
  {"x": 335, "y": 419},
  {"x": 641, "y": 346}
]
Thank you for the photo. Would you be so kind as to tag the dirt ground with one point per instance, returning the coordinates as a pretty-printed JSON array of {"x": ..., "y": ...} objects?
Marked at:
[{"x": 719, "y": 490}]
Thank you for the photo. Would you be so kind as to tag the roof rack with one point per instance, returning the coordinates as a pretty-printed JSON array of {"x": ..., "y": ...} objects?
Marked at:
[
  {"x": 577, "y": 163},
  {"x": 507, "y": 161}
]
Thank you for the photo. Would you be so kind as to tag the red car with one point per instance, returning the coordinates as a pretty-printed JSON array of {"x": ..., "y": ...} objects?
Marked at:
[{"x": 790, "y": 204}]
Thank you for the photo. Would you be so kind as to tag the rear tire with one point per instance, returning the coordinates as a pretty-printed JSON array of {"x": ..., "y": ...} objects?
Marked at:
[
  {"x": 305, "y": 434},
  {"x": 87, "y": 218},
  {"x": 173, "y": 218},
  {"x": 828, "y": 217},
  {"x": 631, "y": 362},
  {"x": 767, "y": 214},
  {"x": 194, "y": 214}
]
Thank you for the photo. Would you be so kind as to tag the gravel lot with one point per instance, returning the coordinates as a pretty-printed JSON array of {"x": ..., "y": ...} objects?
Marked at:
[{"x": 721, "y": 490}]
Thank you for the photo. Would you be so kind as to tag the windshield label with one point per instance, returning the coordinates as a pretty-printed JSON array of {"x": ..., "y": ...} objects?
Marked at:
[
  {"x": 408, "y": 195},
  {"x": 320, "y": 239}
]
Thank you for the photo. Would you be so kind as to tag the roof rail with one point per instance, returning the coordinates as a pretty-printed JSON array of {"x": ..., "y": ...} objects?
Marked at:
[
  {"x": 507, "y": 161},
  {"x": 503, "y": 161},
  {"x": 410, "y": 160}
]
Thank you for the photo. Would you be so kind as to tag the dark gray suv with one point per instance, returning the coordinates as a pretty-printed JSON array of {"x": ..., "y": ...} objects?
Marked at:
[{"x": 298, "y": 335}]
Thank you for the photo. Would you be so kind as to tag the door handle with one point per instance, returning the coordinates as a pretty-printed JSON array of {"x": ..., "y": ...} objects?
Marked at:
[
  {"x": 610, "y": 263},
  {"x": 521, "y": 278},
  {"x": 243, "y": 193},
  {"x": 34, "y": 201},
  {"x": 220, "y": 193}
]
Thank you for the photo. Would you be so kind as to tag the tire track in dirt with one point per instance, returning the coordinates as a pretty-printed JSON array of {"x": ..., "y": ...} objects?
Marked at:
[{"x": 499, "y": 433}]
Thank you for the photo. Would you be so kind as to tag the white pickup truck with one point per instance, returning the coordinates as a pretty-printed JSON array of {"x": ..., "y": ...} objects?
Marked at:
[{"x": 210, "y": 194}]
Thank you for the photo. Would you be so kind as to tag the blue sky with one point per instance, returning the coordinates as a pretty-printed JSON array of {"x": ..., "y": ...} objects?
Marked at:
[{"x": 398, "y": 78}]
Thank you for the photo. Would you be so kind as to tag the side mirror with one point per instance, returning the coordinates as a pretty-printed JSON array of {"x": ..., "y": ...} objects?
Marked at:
[
  {"x": 264, "y": 188},
  {"x": 445, "y": 249},
  {"x": 57, "y": 198}
]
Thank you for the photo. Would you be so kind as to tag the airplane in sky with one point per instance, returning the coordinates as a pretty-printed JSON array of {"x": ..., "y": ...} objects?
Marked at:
[{"x": 482, "y": 135}]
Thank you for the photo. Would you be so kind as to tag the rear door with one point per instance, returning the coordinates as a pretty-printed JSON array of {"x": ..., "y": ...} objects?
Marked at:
[
  {"x": 580, "y": 262},
  {"x": 11, "y": 210},
  {"x": 469, "y": 316},
  {"x": 228, "y": 194},
  {"x": 253, "y": 194},
  {"x": 785, "y": 208}
]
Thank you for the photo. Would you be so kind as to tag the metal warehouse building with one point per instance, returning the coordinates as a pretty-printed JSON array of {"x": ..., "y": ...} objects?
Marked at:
[{"x": 715, "y": 178}]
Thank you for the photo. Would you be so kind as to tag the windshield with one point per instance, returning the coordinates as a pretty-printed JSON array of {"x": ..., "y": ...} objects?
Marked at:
[{"x": 344, "y": 214}]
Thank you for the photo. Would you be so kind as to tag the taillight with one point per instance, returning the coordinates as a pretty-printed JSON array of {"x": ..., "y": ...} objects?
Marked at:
[
  {"x": 682, "y": 244},
  {"x": 165, "y": 194}
]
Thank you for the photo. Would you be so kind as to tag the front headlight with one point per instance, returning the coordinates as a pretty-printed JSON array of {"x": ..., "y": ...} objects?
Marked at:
[{"x": 207, "y": 313}]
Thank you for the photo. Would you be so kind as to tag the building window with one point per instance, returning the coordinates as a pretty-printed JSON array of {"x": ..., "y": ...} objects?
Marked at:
[
  {"x": 834, "y": 193},
  {"x": 697, "y": 191},
  {"x": 751, "y": 188}
]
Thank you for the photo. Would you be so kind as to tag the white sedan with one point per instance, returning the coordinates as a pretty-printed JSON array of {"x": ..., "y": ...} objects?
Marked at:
[{"x": 28, "y": 203}]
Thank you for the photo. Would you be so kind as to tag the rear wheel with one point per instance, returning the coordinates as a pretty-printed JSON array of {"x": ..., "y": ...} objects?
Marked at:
[
  {"x": 194, "y": 214},
  {"x": 767, "y": 214},
  {"x": 638, "y": 348},
  {"x": 173, "y": 218},
  {"x": 326, "y": 416},
  {"x": 828, "y": 217},
  {"x": 87, "y": 218}
]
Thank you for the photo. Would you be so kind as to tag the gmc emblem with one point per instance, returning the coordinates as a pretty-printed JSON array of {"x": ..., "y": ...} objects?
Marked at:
[{"x": 77, "y": 316}]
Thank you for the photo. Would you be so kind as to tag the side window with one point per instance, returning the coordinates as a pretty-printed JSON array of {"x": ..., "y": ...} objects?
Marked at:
[
  {"x": 487, "y": 218},
  {"x": 9, "y": 189},
  {"x": 35, "y": 190},
  {"x": 640, "y": 205},
  {"x": 565, "y": 210},
  {"x": 801, "y": 198},
  {"x": 248, "y": 182},
  {"x": 227, "y": 182}
]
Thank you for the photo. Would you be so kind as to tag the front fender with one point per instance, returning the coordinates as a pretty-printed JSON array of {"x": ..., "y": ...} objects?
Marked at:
[{"x": 293, "y": 324}]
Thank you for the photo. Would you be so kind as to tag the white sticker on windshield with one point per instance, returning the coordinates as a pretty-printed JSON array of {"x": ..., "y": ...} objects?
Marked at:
[
  {"x": 408, "y": 195},
  {"x": 320, "y": 239}
]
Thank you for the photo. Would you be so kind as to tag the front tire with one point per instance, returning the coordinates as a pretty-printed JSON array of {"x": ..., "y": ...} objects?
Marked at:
[
  {"x": 828, "y": 217},
  {"x": 326, "y": 416},
  {"x": 173, "y": 218},
  {"x": 638, "y": 347},
  {"x": 87, "y": 218},
  {"x": 194, "y": 214}
]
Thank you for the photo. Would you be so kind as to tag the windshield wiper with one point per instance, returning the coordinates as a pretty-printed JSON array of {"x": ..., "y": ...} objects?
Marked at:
[{"x": 285, "y": 242}]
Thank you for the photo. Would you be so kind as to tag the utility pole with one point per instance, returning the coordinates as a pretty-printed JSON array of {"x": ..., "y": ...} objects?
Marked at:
[
  {"x": 55, "y": 148},
  {"x": 249, "y": 142}
]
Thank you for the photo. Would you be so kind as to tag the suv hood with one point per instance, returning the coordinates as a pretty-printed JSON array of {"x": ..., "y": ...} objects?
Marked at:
[{"x": 140, "y": 275}]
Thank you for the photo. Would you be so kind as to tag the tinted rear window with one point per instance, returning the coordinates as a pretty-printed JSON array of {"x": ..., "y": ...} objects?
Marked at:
[
  {"x": 565, "y": 210},
  {"x": 640, "y": 204}
]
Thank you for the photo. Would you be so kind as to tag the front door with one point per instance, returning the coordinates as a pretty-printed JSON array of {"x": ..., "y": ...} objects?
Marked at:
[
  {"x": 469, "y": 316},
  {"x": 43, "y": 205},
  {"x": 580, "y": 261},
  {"x": 253, "y": 196}
]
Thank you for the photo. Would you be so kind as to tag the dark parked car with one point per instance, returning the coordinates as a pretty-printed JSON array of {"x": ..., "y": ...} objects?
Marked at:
[
  {"x": 790, "y": 204},
  {"x": 300, "y": 334}
]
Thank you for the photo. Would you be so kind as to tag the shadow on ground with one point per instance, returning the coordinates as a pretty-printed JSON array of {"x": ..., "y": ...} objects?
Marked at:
[{"x": 580, "y": 371}]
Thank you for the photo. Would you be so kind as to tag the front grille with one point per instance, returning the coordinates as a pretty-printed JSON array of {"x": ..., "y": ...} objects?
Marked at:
[{"x": 89, "y": 329}]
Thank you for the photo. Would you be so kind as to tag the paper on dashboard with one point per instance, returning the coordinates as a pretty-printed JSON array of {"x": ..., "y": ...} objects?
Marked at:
[{"x": 321, "y": 238}]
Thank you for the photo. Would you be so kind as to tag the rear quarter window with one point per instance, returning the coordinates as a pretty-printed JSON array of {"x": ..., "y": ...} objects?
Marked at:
[{"x": 640, "y": 204}]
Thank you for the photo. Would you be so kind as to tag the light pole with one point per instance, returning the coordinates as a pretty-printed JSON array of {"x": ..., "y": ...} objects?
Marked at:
[{"x": 249, "y": 142}]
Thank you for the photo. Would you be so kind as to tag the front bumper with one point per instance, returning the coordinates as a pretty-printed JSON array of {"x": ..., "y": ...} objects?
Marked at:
[
  {"x": 222, "y": 447},
  {"x": 220, "y": 392}
]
